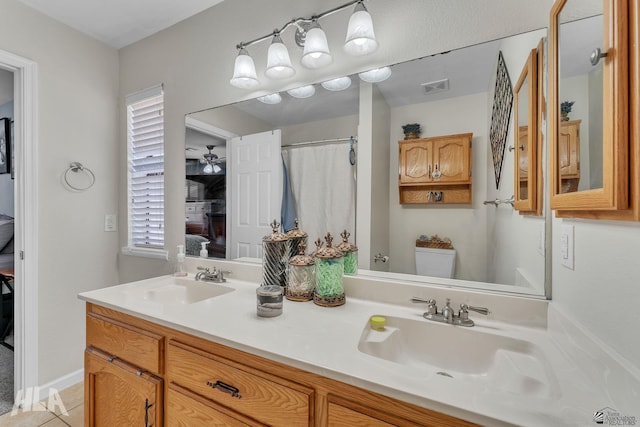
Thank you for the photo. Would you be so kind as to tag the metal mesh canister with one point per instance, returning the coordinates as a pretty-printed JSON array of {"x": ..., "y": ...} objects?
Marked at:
[{"x": 275, "y": 257}]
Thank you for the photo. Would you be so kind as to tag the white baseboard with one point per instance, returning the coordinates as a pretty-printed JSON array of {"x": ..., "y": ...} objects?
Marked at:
[{"x": 61, "y": 383}]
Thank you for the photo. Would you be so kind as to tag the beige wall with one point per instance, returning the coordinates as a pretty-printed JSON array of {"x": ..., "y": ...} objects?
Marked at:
[
  {"x": 77, "y": 120},
  {"x": 78, "y": 80}
]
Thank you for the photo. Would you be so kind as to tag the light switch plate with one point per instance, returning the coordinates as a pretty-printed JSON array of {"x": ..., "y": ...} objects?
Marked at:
[
  {"x": 566, "y": 246},
  {"x": 111, "y": 222}
]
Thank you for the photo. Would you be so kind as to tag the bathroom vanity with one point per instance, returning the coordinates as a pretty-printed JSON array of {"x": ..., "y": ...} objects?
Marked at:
[{"x": 177, "y": 352}]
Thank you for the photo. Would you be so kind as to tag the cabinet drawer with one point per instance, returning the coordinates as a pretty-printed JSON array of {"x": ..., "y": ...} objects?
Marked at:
[
  {"x": 143, "y": 348},
  {"x": 183, "y": 411},
  {"x": 262, "y": 397},
  {"x": 340, "y": 416}
]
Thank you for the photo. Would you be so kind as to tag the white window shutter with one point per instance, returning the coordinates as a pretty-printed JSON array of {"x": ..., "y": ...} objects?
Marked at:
[{"x": 145, "y": 134}]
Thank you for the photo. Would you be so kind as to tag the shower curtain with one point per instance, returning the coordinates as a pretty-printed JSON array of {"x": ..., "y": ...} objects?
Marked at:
[{"x": 323, "y": 183}]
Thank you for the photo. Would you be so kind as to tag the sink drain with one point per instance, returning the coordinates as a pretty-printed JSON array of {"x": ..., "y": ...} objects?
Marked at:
[{"x": 444, "y": 374}]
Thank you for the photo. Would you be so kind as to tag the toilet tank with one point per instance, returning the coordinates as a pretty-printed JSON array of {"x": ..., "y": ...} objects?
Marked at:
[{"x": 435, "y": 262}]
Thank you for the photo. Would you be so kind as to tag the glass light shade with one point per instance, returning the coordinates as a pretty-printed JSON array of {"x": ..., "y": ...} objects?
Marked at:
[
  {"x": 208, "y": 168},
  {"x": 376, "y": 76},
  {"x": 360, "y": 39},
  {"x": 244, "y": 71},
  {"x": 341, "y": 83},
  {"x": 316, "y": 48},
  {"x": 270, "y": 99},
  {"x": 302, "y": 91},
  {"x": 216, "y": 168},
  {"x": 278, "y": 60}
]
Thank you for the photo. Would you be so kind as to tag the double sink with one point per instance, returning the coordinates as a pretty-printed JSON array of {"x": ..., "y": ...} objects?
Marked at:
[{"x": 477, "y": 356}]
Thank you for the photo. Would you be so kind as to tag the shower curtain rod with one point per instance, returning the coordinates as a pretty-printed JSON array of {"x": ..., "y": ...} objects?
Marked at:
[{"x": 321, "y": 141}]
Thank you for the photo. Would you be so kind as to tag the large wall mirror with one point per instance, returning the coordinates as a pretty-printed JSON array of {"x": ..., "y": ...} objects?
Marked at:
[{"x": 340, "y": 150}]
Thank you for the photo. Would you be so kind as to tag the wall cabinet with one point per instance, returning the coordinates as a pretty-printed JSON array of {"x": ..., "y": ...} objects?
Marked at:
[
  {"x": 569, "y": 155},
  {"x": 611, "y": 140},
  {"x": 435, "y": 170},
  {"x": 201, "y": 383}
]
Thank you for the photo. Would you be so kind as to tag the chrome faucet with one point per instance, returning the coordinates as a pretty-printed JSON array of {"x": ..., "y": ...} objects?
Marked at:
[
  {"x": 448, "y": 315},
  {"x": 214, "y": 275}
]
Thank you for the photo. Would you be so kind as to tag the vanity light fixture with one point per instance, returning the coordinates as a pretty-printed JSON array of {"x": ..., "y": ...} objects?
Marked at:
[
  {"x": 278, "y": 60},
  {"x": 375, "y": 76},
  {"x": 360, "y": 40},
  {"x": 271, "y": 99},
  {"x": 302, "y": 91},
  {"x": 334, "y": 85},
  {"x": 244, "y": 71}
]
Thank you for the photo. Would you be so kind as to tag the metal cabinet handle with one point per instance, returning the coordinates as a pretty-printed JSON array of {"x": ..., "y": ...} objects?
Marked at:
[
  {"x": 226, "y": 388},
  {"x": 147, "y": 405}
]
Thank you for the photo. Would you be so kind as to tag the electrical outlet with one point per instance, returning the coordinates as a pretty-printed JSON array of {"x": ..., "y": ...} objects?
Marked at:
[
  {"x": 111, "y": 222},
  {"x": 566, "y": 246}
]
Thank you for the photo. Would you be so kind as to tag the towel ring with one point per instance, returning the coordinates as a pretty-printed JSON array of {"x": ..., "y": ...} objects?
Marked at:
[{"x": 78, "y": 167}]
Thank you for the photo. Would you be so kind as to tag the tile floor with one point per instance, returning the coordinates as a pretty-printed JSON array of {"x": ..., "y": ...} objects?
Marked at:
[{"x": 72, "y": 399}]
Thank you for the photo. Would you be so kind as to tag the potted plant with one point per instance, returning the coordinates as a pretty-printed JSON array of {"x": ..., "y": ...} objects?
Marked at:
[
  {"x": 411, "y": 131},
  {"x": 565, "y": 109}
]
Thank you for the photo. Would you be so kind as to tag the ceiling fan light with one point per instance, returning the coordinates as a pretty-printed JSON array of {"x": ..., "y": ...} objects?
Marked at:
[
  {"x": 270, "y": 99},
  {"x": 316, "y": 48},
  {"x": 216, "y": 169},
  {"x": 244, "y": 71},
  {"x": 302, "y": 91},
  {"x": 375, "y": 76},
  {"x": 208, "y": 168},
  {"x": 361, "y": 39},
  {"x": 278, "y": 60},
  {"x": 341, "y": 83}
]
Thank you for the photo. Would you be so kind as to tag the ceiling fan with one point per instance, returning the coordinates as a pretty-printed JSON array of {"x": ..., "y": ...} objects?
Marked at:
[{"x": 211, "y": 161}]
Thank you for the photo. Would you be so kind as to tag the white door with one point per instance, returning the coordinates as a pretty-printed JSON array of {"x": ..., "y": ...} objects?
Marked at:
[{"x": 256, "y": 190}]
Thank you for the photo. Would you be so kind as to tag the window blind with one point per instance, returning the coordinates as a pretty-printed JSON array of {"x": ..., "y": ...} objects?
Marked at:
[{"x": 145, "y": 123}]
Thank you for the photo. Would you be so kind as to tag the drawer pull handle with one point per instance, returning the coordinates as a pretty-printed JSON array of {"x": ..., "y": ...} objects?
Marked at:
[
  {"x": 219, "y": 385},
  {"x": 112, "y": 358}
]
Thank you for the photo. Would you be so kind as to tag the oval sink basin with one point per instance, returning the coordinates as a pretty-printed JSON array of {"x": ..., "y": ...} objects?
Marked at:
[
  {"x": 177, "y": 291},
  {"x": 501, "y": 363}
]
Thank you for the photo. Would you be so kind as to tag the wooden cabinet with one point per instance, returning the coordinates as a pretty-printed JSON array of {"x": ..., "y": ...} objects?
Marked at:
[
  {"x": 120, "y": 394},
  {"x": 435, "y": 170},
  {"x": 201, "y": 383},
  {"x": 569, "y": 155},
  {"x": 610, "y": 185}
]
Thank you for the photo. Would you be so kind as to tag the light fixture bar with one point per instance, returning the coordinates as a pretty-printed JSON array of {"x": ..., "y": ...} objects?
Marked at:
[{"x": 295, "y": 21}]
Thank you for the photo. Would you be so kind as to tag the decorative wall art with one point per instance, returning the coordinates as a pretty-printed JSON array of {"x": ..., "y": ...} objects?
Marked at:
[
  {"x": 5, "y": 145},
  {"x": 502, "y": 103}
]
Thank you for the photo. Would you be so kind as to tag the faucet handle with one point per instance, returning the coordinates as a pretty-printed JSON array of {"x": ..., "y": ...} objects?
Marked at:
[
  {"x": 426, "y": 301},
  {"x": 431, "y": 304},
  {"x": 482, "y": 310},
  {"x": 205, "y": 269}
]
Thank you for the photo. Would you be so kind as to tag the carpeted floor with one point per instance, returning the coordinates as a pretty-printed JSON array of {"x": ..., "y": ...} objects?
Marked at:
[{"x": 6, "y": 379}]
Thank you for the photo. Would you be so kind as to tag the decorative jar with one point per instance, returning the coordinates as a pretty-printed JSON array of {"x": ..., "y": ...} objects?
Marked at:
[
  {"x": 275, "y": 257},
  {"x": 350, "y": 254},
  {"x": 301, "y": 280},
  {"x": 329, "y": 272}
]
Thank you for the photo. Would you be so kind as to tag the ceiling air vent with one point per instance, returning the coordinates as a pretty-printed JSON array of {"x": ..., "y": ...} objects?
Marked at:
[{"x": 435, "y": 87}]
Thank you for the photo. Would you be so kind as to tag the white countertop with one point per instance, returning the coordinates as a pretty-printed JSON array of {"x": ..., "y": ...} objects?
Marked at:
[{"x": 325, "y": 341}]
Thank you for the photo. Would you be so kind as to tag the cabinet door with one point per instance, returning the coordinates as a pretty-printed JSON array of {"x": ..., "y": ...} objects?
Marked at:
[
  {"x": 452, "y": 160},
  {"x": 415, "y": 162},
  {"x": 569, "y": 149},
  {"x": 119, "y": 394}
]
